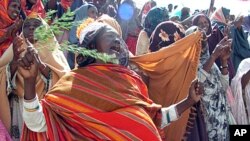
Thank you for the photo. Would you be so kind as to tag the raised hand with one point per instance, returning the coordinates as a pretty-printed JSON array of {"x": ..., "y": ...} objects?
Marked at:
[
  {"x": 28, "y": 65},
  {"x": 17, "y": 47},
  {"x": 195, "y": 91},
  {"x": 224, "y": 44}
]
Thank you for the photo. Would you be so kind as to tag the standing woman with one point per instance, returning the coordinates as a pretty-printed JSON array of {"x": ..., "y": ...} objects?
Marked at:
[
  {"x": 216, "y": 82},
  {"x": 33, "y": 6},
  {"x": 154, "y": 17},
  {"x": 215, "y": 35},
  {"x": 10, "y": 24},
  {"x": 52, "y": 65}
]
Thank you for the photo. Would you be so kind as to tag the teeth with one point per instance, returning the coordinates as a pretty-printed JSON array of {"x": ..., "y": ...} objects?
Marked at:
[{"x": 15, "y": 14}]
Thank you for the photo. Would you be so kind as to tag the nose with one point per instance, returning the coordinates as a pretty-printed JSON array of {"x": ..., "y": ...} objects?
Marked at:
[{"x": 31, "y": 28}]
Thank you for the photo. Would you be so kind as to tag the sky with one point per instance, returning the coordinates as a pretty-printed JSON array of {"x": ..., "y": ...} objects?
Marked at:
[{"x": 236, "y": 6}]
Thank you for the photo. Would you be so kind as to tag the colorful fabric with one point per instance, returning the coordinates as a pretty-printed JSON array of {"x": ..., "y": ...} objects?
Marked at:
[
  {"x": 165, "y": 68},
  {"x": 154, "y": 17},
  {"x": 99, "y": 102},
  {"x": 220, "y": 15},
  {"x": 55, "y": 60},
  {"x": 165, "y": 34},
  {"x": 240, "y": 108},
  {"x": 36, "y": 8},
  {"x": 5, "y": 22}
]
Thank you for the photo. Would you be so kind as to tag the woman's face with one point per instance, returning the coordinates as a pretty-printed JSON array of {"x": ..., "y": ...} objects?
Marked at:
[
  {"x": 92, "y": 12},
  {"x": 109, "y": 42},
  {"x": 14, "y": 9},
  {"x": 203, "y": 23},
  {"x": 32, "y": 1},
  {"x": 29, "y": 27}
]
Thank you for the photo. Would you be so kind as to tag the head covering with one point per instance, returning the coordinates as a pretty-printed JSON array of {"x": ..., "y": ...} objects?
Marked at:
[
  {"x": 37, "y": 8},
  {"x": 81, "y": 14},
  {"x": 154, "y": 17},
  {"x": 50, "y": 54},
  {"x": 110, "y": 21},
  {"x": 196, "y": 20},
  {"x": 165, "y": 34},
  {"x": 89, "y": 34},
  {"x": 5, "y": 22},
  {"x": 220, "y": 15}
]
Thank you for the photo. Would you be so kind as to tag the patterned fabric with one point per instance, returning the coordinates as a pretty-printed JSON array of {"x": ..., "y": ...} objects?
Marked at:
[
  {"x": 36, "y": 8},
  {"x": 165, "y": 68},
  {"x": 5, "y": 22},
  {"x": 154, "y": 17},
  {"x": 92, "y": 101},
  {"x": 165, "y": 34},
  {"x": 214, "y": 102}
]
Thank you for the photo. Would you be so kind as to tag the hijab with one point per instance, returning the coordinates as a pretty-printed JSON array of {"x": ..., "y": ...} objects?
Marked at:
[
  {"x": 165, "y": 34},
  {"x": 88, "y": 36}
]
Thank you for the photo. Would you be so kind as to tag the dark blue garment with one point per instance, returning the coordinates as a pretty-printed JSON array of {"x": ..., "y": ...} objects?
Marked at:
[{"x": 240, "y": 46}]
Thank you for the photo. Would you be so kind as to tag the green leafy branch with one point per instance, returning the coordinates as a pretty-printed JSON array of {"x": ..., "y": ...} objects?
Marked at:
[{"x": 45, "y": 32}]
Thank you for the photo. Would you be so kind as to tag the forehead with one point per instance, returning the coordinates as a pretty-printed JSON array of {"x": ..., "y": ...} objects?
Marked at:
[{"x": 32, "y": 20}]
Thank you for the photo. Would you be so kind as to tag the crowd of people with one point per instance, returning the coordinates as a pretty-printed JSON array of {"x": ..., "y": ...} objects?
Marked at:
[{"x": 177, "y": 75}]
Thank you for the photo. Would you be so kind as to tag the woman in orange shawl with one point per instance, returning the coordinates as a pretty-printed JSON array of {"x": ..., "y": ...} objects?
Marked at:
[
  {"x": 97, "y": 101},
  {"x": 33, "y": 6},
  {"x": 9, "y": 22}
]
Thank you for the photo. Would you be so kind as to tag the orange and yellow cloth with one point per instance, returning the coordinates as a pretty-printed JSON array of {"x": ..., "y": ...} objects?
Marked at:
[
  {"x": 99, "y": 102},
  {"x": 171, "y": 71}
]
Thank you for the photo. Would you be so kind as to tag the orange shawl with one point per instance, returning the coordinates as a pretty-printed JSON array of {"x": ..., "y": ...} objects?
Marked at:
[
  {"x": 5, "y": 21},
  {"x": 36, "y": 8},
  {"x": 99, "y": 102},
  {"x": 170, "y": 72}
]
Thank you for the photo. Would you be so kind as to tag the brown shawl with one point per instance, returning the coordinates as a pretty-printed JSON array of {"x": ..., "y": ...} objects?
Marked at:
[{"x": 171, "y": 71}]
